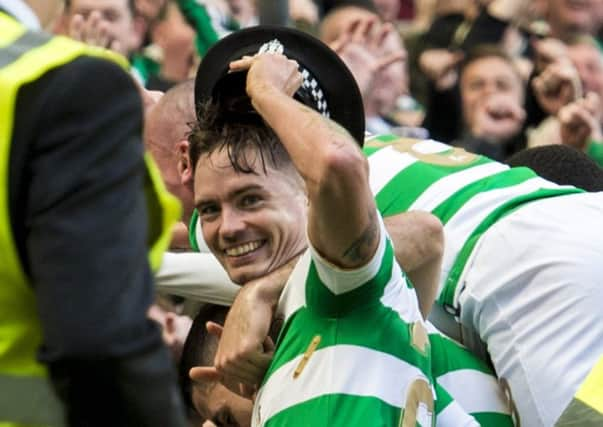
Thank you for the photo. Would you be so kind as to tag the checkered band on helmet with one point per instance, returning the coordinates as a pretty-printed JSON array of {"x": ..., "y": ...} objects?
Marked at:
[
  {"x": 273, "y": 46},
  {"x": 309, "y": 84}
]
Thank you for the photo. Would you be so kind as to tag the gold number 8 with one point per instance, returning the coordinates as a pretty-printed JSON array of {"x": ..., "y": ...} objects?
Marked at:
[
  {"x": 455, "y": 156},
  {"x": 419, "y": 405}
]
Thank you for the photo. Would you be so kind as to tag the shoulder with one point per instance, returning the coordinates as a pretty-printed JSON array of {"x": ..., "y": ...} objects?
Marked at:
[
  {"x": 87, "y": 75},
  {"x": 83, "y": 87}
]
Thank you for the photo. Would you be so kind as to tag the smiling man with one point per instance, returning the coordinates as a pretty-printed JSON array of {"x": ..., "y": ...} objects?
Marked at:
[
  {"x": 253, "y": 216},
  {"x": 267, "y": 176}
]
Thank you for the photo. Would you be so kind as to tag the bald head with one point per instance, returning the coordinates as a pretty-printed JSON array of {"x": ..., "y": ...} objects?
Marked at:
[
  {"x": 171, "y": 116},
  {"x": 165, "y": 137}
]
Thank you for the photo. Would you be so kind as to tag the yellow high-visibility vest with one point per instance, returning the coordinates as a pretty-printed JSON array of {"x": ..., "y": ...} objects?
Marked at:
[
  {"x": 586, "y": 408},
  {"x": 26, "y": 396}
]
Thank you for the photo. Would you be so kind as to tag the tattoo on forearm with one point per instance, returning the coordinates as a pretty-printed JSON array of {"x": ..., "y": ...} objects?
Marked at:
[
  {"x": 362, "y": 247},
  {"x": 332, "y": 125},
  {"x": 336, "y": 127}
]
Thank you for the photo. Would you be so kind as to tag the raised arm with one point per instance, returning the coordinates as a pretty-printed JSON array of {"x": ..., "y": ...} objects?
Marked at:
[{"x": 342, "y": 219}]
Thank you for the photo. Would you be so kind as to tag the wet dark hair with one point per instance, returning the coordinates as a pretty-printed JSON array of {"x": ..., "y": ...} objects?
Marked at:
[
  {"x": 561, "y": 164},
  {"x": 329, "y": 6},
  {"x": 246, "y": 139},
  {"x": 486, "y": 50}
]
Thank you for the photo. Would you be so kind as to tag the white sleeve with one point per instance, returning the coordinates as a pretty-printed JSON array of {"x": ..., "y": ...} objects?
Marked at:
[{"x": 197, "y": 276}]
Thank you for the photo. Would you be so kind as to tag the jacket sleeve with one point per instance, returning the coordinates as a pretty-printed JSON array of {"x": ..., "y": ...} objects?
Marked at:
[
  {"x": 82, "y": 223},
  {"x": 197, "y": 276}
]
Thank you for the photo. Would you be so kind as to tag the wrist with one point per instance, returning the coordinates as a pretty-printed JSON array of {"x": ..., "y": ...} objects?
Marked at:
[
  {"x": 262, "y": 292},
  {"x": 259, "y": 92}
]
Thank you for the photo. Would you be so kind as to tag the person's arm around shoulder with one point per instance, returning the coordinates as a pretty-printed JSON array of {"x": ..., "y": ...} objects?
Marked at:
[
  {"x": 418, "y": 239},
  {"x": 197, "y": 276}
]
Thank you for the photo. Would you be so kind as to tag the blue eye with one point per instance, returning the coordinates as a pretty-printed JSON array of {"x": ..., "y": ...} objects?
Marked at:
[{"x": 250, "y": 200}]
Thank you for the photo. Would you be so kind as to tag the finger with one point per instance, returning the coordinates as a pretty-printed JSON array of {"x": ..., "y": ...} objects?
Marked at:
[
  {"x": 204, "y": 374},
  {"x": 352, "y": 27},
  {"x": 241, "y": 64},
  {"x": 582, "y": 117},
  {"x": 214, "y": 329},
  {"x": 452, "y": 63},
  {"x": 340, "y": 42},
  {"x": 363, "y": 28},
  {"x": 261, "y": 361},
  {"x": 292, "y": 63},
  {"x": 230, "y": 383},
  {"x": 294, "y": 84},
  {"x": 390, "y": 59},
  {"x": 76, "y": 27},
  {"x": 381, "y": 34},
  {"x": 577, "y": 87},
  {"x": 250, "y": 364},
  {"x": 103, "y": 34},
  {"x": 567, "y": 75},
  {"x": 104, "y": 38},
  {"x": 565, "y": 115},
  {"x": 249, "y": 368},
  {"x": 246, "y": 374},
  {"x": 246, "y": 391},
  {"x": 92, "y": 28}
]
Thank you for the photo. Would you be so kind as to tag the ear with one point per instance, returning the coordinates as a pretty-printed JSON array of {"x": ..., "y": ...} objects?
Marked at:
[
  {"x": 170, "y": 324},
  {"x": 185, "y": 167}
]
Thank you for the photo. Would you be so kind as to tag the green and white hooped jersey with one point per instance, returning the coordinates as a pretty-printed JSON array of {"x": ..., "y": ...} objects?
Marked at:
[
  {"x": 465, "y": 383},
  {"x": 353, "y": 351},
  {"x": 467, "y": 192}
]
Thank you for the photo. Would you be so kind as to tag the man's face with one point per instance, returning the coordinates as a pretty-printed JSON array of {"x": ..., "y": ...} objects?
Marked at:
[
  {"x": 485, "y": 77},
  {"x": 222, "y": 407},
  {"x": 119, "y": 18},
  {"x": 574, "y": 15},
  {"x": 391, "y": 81},
  {"x": 253, "y": 223},
  {"x": 589, "y": 62}
]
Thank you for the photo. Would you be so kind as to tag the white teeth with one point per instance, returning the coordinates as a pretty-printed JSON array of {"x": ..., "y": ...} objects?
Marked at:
[{"x": 243, "y": 249}]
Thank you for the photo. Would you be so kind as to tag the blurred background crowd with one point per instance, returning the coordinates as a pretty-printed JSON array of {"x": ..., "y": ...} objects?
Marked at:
[{"x": 492, "y": 76}]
